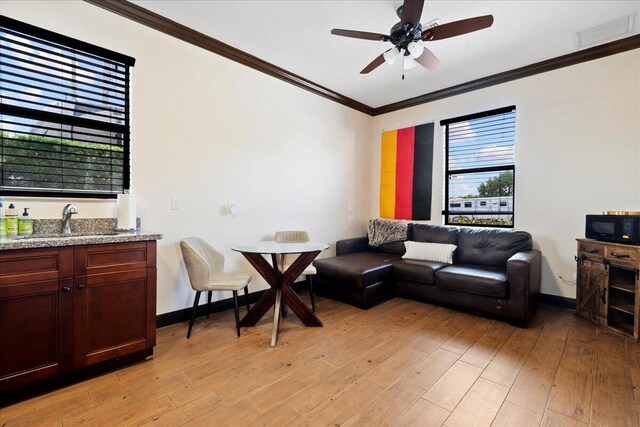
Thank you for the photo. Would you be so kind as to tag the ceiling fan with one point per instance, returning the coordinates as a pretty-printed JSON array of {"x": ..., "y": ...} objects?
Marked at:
[{"x": 408, "y": 37}]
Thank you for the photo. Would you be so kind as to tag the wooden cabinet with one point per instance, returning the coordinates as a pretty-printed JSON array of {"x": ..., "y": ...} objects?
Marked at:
[
  {"x": 607, "y": 285},
  {"x": 115, "y": 307},
  {"x": 63, "y": 309},
  {"x": 35, "y": 315}
]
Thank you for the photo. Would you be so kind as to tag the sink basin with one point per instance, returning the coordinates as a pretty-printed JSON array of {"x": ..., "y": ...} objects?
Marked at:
[{"x": 61, "y": 235}]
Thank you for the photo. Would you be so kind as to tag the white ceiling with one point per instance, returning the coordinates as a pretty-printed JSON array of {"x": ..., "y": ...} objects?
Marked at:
[{"x": 295, "y": 35}]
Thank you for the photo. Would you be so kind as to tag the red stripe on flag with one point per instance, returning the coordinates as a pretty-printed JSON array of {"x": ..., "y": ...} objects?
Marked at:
[{"x": 404, "y": 173}]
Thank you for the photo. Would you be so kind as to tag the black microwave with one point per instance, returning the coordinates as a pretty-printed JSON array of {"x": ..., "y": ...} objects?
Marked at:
[{"x": 614, "y": 228}]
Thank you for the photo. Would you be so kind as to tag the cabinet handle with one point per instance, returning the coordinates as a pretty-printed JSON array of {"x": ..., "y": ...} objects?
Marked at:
[
  {"x": 66, "y": 289},
  {"x": 590, "y": 250},
  {"x": 619, "y": 255},
  {"x": 81, "y": 286},
  {"x": 603, "y": 292}
]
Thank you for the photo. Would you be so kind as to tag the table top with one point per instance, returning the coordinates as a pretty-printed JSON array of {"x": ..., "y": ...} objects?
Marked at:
[{"x": 272, "y": 247}]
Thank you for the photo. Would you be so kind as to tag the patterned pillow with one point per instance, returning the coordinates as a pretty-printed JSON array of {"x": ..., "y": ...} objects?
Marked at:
[
  {"x": 425, "y": 251},
  {"x": 383, "y": 231}
]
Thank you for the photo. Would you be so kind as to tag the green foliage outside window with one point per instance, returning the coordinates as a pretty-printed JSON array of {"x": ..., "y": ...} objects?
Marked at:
[
  {"x": 32, "y": 161},
  {"x": 500, "y": 185}
]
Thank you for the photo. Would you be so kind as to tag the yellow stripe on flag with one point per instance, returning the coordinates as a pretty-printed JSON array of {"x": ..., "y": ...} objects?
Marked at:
[{"x": 388, "y": 174}]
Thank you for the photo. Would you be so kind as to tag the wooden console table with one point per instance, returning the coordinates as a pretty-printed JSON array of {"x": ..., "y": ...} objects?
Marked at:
[{"x": 608, "y": 285}]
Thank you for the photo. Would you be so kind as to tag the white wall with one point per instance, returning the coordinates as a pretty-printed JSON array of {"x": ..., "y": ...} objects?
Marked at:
[
  {"x": 577, "y": 151},
  {"x": 207, "y": 129}
]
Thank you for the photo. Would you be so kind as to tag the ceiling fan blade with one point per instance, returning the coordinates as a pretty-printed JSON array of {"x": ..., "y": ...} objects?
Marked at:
[
  {"x": 373, "y": 65},
  {"x": 359, "y": 34},
  {"x": 411, "y": 12},
  {"x": 457, "y": 28},
  {"x": 428, "y": 60}
]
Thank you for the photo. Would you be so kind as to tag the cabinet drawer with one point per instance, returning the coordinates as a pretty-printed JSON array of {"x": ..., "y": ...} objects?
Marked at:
[
  {"x": 111, "y": 258},
  {"x": 619, "y": 254},
  {"x": 591, "y": 250},
  {"x": 34, "y": 265}
]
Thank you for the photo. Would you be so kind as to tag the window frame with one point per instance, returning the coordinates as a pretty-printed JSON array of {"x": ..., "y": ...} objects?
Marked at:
[
  {"x": 50, "y": 37},
  {"x": 447, "y": 212}
]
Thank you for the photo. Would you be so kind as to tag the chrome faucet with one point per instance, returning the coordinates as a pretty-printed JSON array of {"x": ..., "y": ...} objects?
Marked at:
[{"x": 66, "y": 218}]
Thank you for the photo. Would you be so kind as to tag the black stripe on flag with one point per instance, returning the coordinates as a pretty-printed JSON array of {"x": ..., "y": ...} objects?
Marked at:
[{"x": 422, "y": 172}]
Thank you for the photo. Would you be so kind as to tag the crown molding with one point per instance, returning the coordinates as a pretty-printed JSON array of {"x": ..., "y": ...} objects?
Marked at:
[
  {"x": 596, "y": 52},
  {"x": 153, "y": 20}
]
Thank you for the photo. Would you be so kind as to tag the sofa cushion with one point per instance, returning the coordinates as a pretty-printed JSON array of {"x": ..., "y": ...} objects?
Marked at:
[
  {"x": 416, "y": 271},
  {"x": 490, "y": 246},
  {"x": 396, "y": 248},
  {"x": 359, "y": 269},
  {"x": 473, "y": 279},
  {"x": 433, "y": 233}
]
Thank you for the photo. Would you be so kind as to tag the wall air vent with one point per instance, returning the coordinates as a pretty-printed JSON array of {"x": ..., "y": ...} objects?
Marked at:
[{"x": 605, "y": 32}]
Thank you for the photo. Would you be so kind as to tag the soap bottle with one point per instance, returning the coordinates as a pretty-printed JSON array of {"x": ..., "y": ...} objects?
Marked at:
[
  {"x": 25, "y": 224},
  {"x": 11, "y": 220},
  {"x": 3, "y": 222}
]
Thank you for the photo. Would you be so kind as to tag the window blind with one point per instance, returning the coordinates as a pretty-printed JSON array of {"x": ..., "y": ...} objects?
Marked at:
[
  {"x": 480, "y": 168},
  {"x": 64, "y": 115}
]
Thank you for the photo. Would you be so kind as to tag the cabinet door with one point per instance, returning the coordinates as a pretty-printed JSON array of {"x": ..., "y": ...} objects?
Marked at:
[
  {"x": 592, "y": 293},
  {"x": 111, "y": 315},
  {"x": 36, "y": 304}
]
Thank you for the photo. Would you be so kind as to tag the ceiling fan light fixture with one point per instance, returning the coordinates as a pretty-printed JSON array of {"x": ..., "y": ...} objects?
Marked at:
[
  {"x": 416, "y": 48},
  {"x": 409, "y": 62},
  {"x": 391, "y": 55}
]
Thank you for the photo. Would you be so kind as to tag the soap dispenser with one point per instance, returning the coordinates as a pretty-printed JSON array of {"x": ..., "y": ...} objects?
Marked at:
[
  {"x": 25, "y": 224},
  {"x": 12, "y": 221},
  {"x": 3, "y": 222}
]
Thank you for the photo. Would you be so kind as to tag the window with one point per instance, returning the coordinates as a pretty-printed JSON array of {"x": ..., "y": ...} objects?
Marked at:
[
  {"x": 64, "y": 115},
  {"x": 480, "y": 164}
]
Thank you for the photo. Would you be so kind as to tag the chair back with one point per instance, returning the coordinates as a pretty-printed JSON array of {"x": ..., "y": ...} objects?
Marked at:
[
  {"x": 201, "y": 260},
  {"x": 291, "y": 237}
]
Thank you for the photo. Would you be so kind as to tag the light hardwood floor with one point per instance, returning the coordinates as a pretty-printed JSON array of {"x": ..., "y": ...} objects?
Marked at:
[{"x": 402, "y": 363}]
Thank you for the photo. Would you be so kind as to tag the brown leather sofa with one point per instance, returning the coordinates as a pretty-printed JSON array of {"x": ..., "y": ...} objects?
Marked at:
[{"x": 495, "y": 271}]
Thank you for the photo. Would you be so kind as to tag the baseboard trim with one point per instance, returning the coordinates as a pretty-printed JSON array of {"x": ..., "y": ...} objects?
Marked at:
[{"x": 558, "y": 301}]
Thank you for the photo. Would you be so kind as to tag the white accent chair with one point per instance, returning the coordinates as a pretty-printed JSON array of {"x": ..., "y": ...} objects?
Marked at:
[{"x": 205, "y": 267}]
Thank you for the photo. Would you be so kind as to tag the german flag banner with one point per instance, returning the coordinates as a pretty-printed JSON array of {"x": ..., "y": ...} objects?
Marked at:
[{"x": 405, "y": 173}]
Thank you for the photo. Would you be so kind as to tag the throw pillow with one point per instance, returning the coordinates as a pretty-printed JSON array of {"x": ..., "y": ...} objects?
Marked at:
[
  {"x": 383, "y": 231},
  {"x": 425, "y": 251}
]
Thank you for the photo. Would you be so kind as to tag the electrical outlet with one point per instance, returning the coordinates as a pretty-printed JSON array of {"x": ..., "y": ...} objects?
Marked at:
[
  {"x": 175, "y": 202},
  {"x": 574, "y": 277}
]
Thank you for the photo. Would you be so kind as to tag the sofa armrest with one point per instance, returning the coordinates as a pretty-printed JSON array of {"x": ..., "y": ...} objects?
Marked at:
[
  {"x": 356, "y": 244},
  {"x": 523, "y": 272}
]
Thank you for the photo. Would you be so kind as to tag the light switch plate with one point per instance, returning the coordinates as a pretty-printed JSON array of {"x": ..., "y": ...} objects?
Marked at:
[{"x": 175, "y": 202}]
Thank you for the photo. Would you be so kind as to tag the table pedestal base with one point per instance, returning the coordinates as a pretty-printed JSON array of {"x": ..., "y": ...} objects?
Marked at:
[{"x": 280, "y": 292}]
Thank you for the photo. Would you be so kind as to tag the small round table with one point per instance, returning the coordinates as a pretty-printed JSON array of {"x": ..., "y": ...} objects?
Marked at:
[{"x": 280, "y": 280}]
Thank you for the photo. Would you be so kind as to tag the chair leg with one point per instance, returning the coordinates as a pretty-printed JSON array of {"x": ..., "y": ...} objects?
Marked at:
[
  {"x": 284, "y": 309},
  {"x": 193, "y": 313},
  {"x": 237, "y": 310},
  {"x": 312, "y": 294},
  {"x": 209, "y": 304},
  {"x": 246, "y": 296}
]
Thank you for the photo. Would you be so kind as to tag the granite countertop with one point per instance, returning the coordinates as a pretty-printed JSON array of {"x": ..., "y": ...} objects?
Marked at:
[
  {"x": 55, "y": 240},
  {"x": 86, "y": 231}
]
